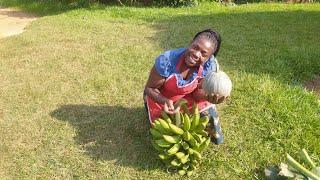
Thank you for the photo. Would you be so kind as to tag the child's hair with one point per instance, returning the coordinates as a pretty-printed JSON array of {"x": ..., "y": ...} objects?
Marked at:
[{"x": 211, "y": 35}]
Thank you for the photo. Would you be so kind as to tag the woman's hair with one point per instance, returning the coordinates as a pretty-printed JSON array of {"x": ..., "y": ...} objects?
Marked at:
[{"x": 212, "y": 36}]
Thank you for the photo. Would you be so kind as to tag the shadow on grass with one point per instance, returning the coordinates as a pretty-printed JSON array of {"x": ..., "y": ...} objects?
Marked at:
[
  {"x": 41, "y": 8},
  {"x": 45, "y": 8},
  {"x": 111, "y": 133}
]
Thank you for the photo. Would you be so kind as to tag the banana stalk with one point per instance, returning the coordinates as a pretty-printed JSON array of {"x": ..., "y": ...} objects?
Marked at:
[
  {"x": 177, "y": 117},
  {"x": 307, "y": 158},
  {"x": 166, "y": 117},
  {"x": 300, "y": 168}
]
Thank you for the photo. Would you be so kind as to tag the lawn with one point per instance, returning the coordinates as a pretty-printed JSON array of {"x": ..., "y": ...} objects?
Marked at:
[{"x": 71, "y": 90}]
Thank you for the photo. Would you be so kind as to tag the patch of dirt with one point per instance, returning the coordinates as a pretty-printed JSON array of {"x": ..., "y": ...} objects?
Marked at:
[
  {"x": 13, "y": 22},
  {"x": 314, "y": 85}
]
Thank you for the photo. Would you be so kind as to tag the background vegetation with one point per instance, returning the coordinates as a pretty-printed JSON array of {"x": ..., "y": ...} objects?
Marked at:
[
  {"x": 71, "y": 89},
  {"x": 60, "y": 5}
]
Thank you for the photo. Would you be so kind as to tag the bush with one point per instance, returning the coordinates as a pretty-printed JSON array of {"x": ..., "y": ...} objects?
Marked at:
[{"x": 177, "y": 3}]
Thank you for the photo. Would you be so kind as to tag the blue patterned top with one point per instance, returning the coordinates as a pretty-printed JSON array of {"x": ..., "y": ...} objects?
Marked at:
[{"x": 166, "y": 65}]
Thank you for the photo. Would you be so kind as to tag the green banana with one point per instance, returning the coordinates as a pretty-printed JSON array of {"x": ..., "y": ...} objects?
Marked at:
[
  {"x": 182, "y": 119},
  {"x": 195, "y": 117},
  {"x": 166, "y": 117},
  {"x": 156, "y": 122},
  {"x": 180, "y": 155},
  {"x": 163, "y": 143},
  {"x": 186, "y": 122},
  {"x": 197, "y": 137},
  {"x": 199, "y": 128},
  {"x": 174, "y": 149},
  {"x": 204, "y": 145},
  {"x": 177, "y": 117},
  {"x": 175, "y": 162},
  {"x": 155, "y": 134},
  {"x": 185, "y": 167},
  {"x": 203, "y": 139},
  {"x": 193, "y": 142},
  {"x": 158, "y": 126},
  {"x": 189, "y": 173},
  {"x": 163, "y": 156},
  {"x": 202, "y": 124},
  {"x": 204, "y": 120},
  {"x": 172, "y": 139},
  {"x": 184, "y": 159},
  {"x": 176, "y": 129},
  {"x": 157, "y": 147},
  {"x": 203, "y": 133},
  {"x": 197, "y": 155},
  {"x": 190, "y": 151},
  {"x": 182, "y": 172},
  {"x": 185, "y": 145},
  {"x": 164, "y": 124},
  {"x": 186, "y": 136}
]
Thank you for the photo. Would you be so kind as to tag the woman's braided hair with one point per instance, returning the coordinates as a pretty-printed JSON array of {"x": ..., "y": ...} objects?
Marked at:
[{"x": 211, "y": 35}]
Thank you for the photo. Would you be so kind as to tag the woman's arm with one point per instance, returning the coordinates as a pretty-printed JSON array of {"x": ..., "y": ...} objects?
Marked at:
[{"x": 154, "y": 83}]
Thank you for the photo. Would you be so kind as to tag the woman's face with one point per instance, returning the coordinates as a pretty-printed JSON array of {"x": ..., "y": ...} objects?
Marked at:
[{"x": 198, "y": 52}]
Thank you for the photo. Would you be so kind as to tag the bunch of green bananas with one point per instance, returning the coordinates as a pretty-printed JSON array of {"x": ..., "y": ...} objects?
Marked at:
[{"x": 179, "y": 139}]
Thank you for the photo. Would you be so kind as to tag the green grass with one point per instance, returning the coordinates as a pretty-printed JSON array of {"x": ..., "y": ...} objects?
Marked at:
[{"x": 71, "y": 90}]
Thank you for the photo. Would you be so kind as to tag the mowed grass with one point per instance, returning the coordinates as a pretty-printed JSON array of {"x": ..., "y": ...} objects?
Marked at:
[{"x": 71, "y": 90}]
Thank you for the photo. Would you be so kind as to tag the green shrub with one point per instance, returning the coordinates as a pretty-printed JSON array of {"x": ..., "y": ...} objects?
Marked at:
[{"x": 177, "y": 3}]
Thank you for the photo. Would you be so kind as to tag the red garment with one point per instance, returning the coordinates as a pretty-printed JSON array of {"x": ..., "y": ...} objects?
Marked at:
[{"x": 173, "y": 91}]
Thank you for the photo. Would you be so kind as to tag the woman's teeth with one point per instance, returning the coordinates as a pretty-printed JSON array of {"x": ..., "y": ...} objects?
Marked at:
[{"x": 192, "y": 61}]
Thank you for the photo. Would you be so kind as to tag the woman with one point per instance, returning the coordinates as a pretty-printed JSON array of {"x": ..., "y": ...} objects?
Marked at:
[{"x": 178, "y": 74}]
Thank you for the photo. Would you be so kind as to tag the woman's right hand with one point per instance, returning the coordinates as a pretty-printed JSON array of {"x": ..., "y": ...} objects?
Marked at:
[
  {"x": 215, "y": 98},
  {"x": 169, "y": 107}
]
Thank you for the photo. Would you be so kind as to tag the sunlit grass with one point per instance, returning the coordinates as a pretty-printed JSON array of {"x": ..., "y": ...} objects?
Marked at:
[{"x": 71, "y": 90}]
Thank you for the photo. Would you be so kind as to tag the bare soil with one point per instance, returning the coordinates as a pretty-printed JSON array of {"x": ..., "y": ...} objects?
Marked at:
[
  {"x": 13, "y": 22},
  {"x": 314, "y": 85}
]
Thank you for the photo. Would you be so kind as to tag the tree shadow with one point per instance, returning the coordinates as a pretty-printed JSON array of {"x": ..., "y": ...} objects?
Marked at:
[
  {"x": 111, "y": 133},
  {"x": 41, "y": 8},
  {"x": 47, "y": 8},
  {"x": 16, "y": 14}
]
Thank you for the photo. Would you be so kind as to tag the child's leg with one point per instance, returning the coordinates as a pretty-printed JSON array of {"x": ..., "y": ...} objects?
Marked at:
[
  {"x": 216, "y": 135},
  {"x": 214, "y": 126}
]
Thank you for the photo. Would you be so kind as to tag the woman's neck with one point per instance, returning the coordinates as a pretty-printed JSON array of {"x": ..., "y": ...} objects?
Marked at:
[{"x": 186, "y": 71}]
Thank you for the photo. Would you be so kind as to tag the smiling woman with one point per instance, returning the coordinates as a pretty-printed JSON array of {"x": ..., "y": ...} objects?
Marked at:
[{"x": 179, "y": 74}]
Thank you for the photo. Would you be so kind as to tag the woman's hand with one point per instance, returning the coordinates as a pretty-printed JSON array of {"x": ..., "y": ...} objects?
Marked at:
[
  {"x": 215, "y": 98},
  {"x": 169, "y": 107}
]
